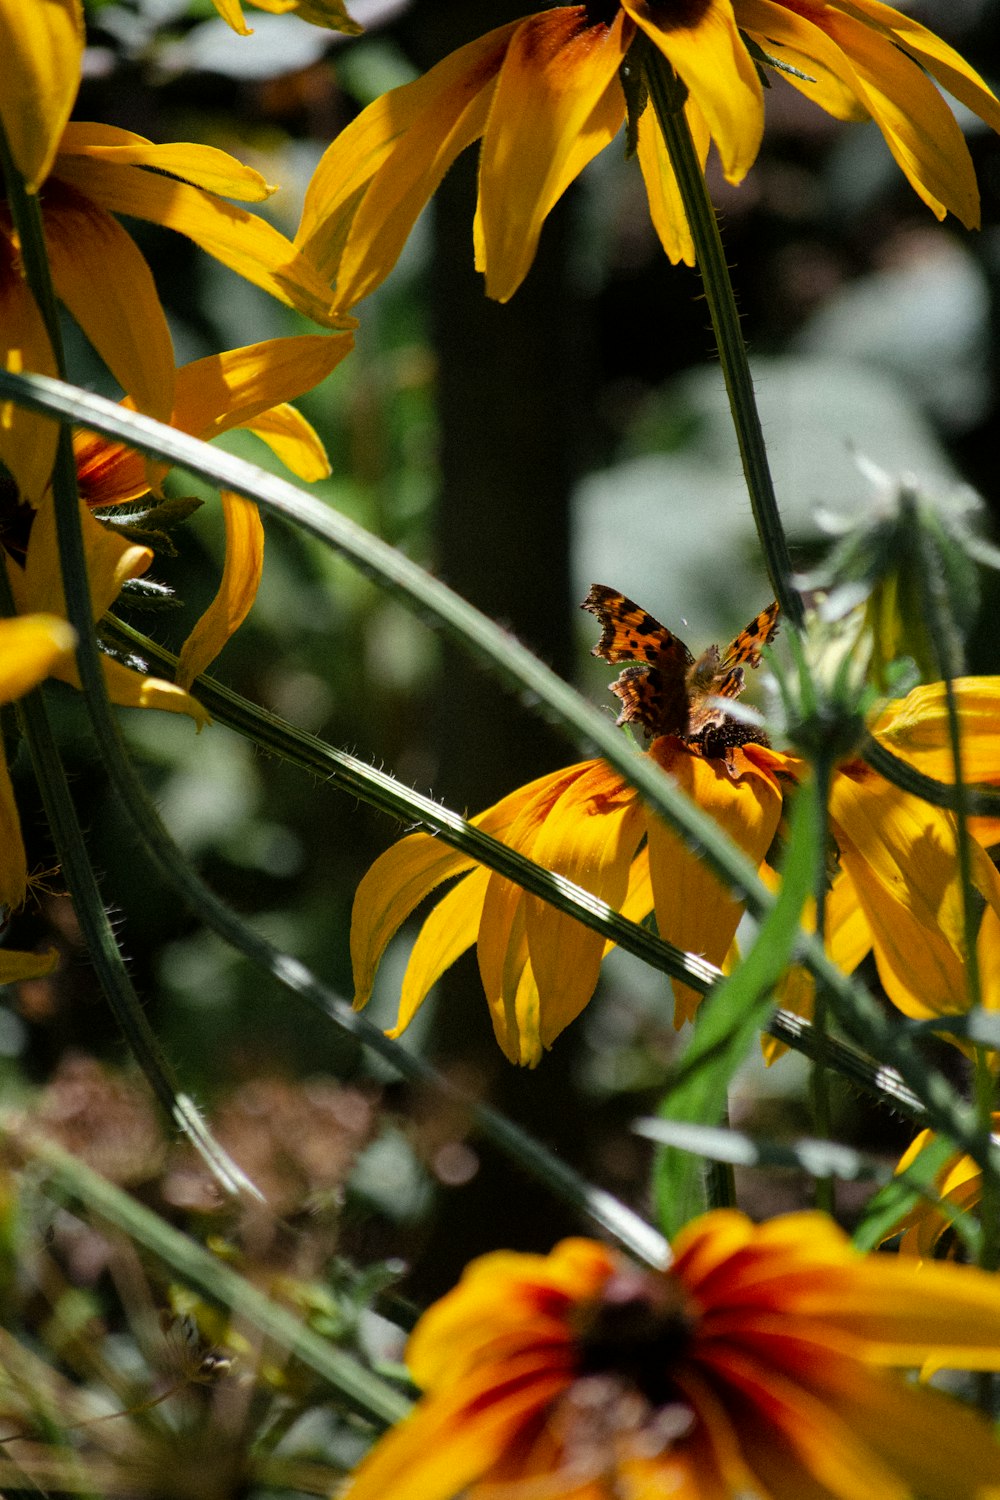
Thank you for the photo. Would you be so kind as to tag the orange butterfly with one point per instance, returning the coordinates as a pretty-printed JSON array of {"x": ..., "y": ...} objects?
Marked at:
[{"x": 667, "y": 690}]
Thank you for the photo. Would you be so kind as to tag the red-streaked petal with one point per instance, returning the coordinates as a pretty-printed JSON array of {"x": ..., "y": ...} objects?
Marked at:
[
  {"x": 202, "y": 166},
  {"x": 557, "y": 103},
  {"x": 241, "y": 575},
  {"x": 102, "y": 276},
  {"x": 41, "y": 42},
  {"x": 711, "y": 58}
]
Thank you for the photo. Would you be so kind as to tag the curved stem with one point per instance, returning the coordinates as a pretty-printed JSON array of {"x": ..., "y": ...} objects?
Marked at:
[{"x": 667, "y": 98}]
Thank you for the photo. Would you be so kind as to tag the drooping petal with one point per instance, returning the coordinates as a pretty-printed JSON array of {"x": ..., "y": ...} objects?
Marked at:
[
  {"x": 239, "y": 239},
  {"x": 241, "y": 575},
  {"x": 226, "y": 390},
  {"x": 693, "y": 909},
  {"x": 665, "y": 206},
  {"x": 102, "y": 277},
  {"x": 202, "y": 166},
  {"x": 111, "y": 560},
  {"x": 590, "y": 835},
  {"x": 918, "y": 126},
  {"x": 557, "y": 103},
  {"x": 407, "y": 872},
  {"x": 30, "y": 645},
  {"x": 27, "y": 440},
  {"x": 379, "y": 173},
  {"x": 900, "y": 855},
  {"x": 231, "y": 12},
  {"x": 16, "y": 966},
  {"x": 448, "y": 932},
  {"x": 41, "y": 43},
  {"x": 292, "y": 439},
  {"x": 943, "y": 63},
  {"x": 709, "y": 55},
  {"x": 916, "y": 728},
  {"x": 131, "y": 689}
]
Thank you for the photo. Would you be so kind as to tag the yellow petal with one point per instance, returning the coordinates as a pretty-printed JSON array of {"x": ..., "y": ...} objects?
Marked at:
[
  {"x": 557, "y": 103},
  {"x": 292, "y": 439},
  {"x": 41, "y": 42},
  {"x": 590, "y": 836},
  {"x": 710, "y": 57},
  {"x": 30, "y": 645},
  {"x": 694, "y": 911},
  {"x": 900, "y": 855},
  {"x": 236, "y": 237},
  {"x": 665, "y": 206},
  {"x": 329, "y": 13},
  {"x": 241, "y": 575},
  {"x": 203, "y": 166},
  {"x": 27, "y": 441},
  {"x": 131, "y": 689},
  {"x": 13, "y": 861},
  {"x": 446, "y": 934},
  {"x": 378, "y": 174},
  {"x": 101, "y": 275},
  {"x": 15, "y": 966},
  {"x": 945, "y": 64},
  {"x": 401, "y": 877},
  {"x": 232, "y": 12},
  {"x": 111, "y": 559},
  {"x": 227, "y": 390},
  {"x": 916, "y": 729}
]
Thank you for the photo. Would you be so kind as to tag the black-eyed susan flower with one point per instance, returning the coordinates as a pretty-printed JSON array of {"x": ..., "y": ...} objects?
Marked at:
[
  {"x": 46, "y": 643},
  {"x": 897, "y": 892},
  {"x": 85, "y": 175},
  {"x": 545, "y": 95},
  {"x": 248, "y": 388},
  {"x": 763, "y": 1362},
  {"x": 959, "y": 1183},
  {"x": 538, "y": 966}
]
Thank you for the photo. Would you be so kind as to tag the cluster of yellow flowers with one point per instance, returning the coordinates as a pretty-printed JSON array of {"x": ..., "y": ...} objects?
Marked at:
[{"x": 762, "y": 1360}]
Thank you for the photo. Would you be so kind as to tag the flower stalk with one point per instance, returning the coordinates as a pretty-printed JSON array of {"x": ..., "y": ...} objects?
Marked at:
[{"x": 667, "y": 96}]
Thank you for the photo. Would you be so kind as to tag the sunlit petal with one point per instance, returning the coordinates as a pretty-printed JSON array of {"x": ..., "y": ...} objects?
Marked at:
[
  {"x": 448, "y": 932},
  {"x": 30, "y": 645},
  {"x": 665, "y": 206},
  {"x": 709, "y": 55},
  {"x": 293, "y": 440},
  {"x": 41, "y": 43},
  {"x": 239, "y": 239},
  {"x": 203, "y": 166},
  {"x": 693, "y": 909},
  {"x": 557, "y": 103},
  {"x": 241, "y": 575}
]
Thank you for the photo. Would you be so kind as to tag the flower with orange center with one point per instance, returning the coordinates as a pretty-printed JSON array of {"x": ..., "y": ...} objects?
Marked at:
[
  {"x": 84, "y": 175},
  {"x": 762, "y": 1363},
  {"x": 545, "y": 95},
  {"x": 539, "y": 967}
]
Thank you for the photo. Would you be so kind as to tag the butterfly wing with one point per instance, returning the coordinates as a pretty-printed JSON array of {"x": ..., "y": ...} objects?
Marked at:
[
  {"x": 653, "y": 691},
  {"x": 744, "y": 650}
]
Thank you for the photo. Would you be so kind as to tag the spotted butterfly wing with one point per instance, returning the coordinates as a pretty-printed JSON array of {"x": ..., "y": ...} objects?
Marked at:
[
  {"x": 724, "y": 678},
  {"x": 653, "y": 691}
]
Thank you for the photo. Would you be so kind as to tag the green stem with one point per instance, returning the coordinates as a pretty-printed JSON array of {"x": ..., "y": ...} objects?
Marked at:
[
  {"x": 819, "y": 1081},
  {"x": 857, "y": 1011},
  {"x": 667, "y": 96}
]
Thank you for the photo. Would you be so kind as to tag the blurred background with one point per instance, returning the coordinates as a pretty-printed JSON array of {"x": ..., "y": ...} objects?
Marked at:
[{"x": 578, "y": 434}]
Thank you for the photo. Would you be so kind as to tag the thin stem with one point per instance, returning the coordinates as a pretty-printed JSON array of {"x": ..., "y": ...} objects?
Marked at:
[
  {"x": 667, "y": 97},
  {"x": 819, "y": 1080}
]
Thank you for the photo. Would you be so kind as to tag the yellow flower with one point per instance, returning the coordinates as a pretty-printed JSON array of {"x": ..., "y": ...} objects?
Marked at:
[
  {"x": 898, "y": 891},
  {"x": 959, "y": 1182},
  {"x": 85, "y": 174},
  {"x": 538, "y": 966},
  {"x": 330, "y": 13},
  {"x": 763, "y": 1362},
  {"x": 247, "y": 388},
  {"x": 47, "y": 647},
  {"x": 545, "y": 96}
]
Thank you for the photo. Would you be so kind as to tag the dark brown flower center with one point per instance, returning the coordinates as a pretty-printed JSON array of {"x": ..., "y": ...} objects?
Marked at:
[{"x": 637, "y": 1334}]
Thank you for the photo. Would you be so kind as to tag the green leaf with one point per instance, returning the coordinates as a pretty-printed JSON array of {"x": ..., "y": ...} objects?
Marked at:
[{"x": 728, "y": 1022}]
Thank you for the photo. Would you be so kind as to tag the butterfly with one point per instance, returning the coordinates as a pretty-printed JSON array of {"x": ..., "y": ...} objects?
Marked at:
[{"x": 667, "y": 690}]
